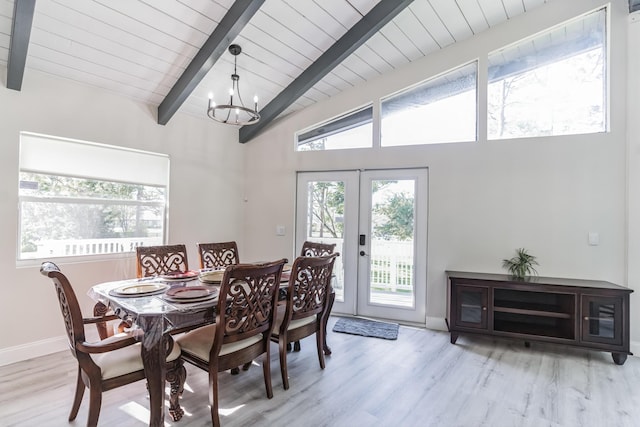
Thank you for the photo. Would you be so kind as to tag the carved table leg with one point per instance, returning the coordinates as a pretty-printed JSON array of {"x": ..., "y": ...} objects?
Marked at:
[
  {"x": 154, "y": 360},
  {"x": 176, "y": 376}
]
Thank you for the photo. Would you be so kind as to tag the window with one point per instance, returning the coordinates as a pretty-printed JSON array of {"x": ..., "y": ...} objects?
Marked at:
[
  {"x": 78, "y": 198},
  {"x": 352, "y": 130},
  {"x": 442, "y": 109},
  {"x": 551, "y": 84}
]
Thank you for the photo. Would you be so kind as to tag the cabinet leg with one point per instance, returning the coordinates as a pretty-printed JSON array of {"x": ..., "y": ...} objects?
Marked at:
[
  {"x": 454, "y": 337},
  {"x": 619, "y": 358}
]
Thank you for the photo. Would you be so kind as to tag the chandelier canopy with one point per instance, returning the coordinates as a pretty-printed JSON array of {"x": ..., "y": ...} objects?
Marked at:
[{"x": 234, "y": 114}]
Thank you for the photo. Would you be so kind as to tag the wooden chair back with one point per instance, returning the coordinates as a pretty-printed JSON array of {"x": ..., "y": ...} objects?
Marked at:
[
  {"x": 158, "y": 260},
  {"x": 69, "y": 306},
  {"x": 246, "y": 303},
  {"x": 309, "y": 287},
  {"x": 217, "y": 255},
  {"x": 316, "y": 249}
]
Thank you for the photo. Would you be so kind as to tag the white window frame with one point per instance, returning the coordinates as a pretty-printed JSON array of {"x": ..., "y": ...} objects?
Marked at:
[{"x": 50, "y": 155}]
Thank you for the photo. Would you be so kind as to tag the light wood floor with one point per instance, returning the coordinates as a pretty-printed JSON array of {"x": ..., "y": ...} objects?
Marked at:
[{"x": 419, "y": 380}]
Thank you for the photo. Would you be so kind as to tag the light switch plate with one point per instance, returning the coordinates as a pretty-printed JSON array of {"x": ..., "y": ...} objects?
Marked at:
[
  {"x": 280, "y": 230},
  {"x": 594, "y": 239}
]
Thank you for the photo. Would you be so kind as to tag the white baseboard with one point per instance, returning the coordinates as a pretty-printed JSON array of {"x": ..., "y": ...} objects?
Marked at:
[
  {"x": 436, "y": 323},
  {"x": 33, "y": 349}
]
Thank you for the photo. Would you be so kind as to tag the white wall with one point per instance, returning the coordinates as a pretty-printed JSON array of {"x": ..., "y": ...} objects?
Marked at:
[
  {"x": 633, "y": 138},
  {"x": 485, "y": 198},
  {"x": 206, "y": 183}
]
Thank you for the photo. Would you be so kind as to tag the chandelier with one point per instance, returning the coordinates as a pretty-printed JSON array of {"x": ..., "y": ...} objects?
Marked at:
[{"x": 234, "y": 114}]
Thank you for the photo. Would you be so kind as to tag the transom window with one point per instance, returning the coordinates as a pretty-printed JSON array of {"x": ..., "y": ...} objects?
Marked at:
[
  {"x": 551, "y": 84},
  {"x": 442, "y": 109},
  {"x": 78, "y": 198},
  {"x": 351, "y": 130}
]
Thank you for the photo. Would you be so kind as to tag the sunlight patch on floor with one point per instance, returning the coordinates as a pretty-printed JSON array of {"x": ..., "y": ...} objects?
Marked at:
[
  {"x": 137, "y": 411},
  {"x": 229, "y": 411}
]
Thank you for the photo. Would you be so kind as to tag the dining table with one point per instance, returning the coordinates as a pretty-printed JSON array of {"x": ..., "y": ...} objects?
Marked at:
[{"x": 154, "y": 309}]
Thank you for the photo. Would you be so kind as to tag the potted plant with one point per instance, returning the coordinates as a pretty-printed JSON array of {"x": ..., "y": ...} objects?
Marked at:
[{"x": 521, "y": 265}]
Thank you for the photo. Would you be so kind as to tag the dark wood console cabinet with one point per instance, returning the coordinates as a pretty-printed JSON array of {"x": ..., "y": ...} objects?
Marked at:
[{"x": 585, "y": 313}]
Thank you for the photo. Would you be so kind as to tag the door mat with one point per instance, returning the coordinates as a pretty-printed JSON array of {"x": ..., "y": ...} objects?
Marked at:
[{"x": 367, "y": 328}]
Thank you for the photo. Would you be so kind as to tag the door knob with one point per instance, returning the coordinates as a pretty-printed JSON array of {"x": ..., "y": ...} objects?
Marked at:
[{"x": 362, "y": 253}]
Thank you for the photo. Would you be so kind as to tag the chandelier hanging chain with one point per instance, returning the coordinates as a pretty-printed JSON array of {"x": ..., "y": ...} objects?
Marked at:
[{"x": 234, "y": 114}]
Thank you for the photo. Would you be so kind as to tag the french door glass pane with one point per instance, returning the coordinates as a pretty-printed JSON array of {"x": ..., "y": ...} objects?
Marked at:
[
  {"x": 325, "y": 223},
  {"x": 392, "y": 248}
]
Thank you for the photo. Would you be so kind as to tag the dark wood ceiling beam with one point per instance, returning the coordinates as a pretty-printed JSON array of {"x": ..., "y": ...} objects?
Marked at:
[
  {"x": 228, "y": 29},
  {"x": 370, "y": 24},
  {"x": 20, "y": 32}
]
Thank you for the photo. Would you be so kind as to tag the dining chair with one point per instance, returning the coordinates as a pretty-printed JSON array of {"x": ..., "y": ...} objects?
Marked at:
[
  {"x": 307, "y": 299},
  {"x": 110, "y": 363},
  {"x": 244, "y": 318},
  {"x": 216, "y": 255},
  {"x": 316, "y": 249},
  {"x": 158, "y": 260},
  {"x": 219, "y": 255}
]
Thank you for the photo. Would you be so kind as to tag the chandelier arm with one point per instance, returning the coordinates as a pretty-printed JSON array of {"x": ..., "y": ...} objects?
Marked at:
[{"x": 238, "y": 88}]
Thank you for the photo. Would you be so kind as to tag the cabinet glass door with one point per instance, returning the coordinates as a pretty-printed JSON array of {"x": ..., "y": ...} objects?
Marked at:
[
  {"x": 471, "y": 305},
  {"x": 602, "y": 320}
]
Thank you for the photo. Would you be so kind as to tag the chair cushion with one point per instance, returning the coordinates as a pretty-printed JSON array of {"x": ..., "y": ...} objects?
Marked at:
[
  {"x": 294, "y": 324},
  {"x": 124, "y": 360},
  {"x": 199, "y": 341}
]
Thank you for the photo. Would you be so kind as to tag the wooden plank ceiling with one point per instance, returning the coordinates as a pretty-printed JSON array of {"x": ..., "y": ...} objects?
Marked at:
[{"x": 140, "y": 48}]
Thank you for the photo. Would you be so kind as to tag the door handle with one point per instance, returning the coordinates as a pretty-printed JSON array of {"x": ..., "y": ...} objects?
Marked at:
[{"x": 363, "y": 253}]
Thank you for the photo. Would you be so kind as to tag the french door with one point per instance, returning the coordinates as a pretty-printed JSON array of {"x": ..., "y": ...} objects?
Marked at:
[{"x": 378, "y": 220}]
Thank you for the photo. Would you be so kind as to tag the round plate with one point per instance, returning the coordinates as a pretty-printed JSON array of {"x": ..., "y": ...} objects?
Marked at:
[
  {"x": 191, "y": 293},
  {"x": 140, "y": 289},
  {"x": 180, "y": 275},
  {"x": 214, "y": 276}
]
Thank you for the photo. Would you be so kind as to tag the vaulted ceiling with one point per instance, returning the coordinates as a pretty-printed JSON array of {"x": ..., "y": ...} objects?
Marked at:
[{"x": 172, "y": 53}]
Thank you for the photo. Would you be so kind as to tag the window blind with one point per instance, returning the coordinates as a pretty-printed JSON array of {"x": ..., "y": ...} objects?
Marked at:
[{"x": 59, "y": 156}]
